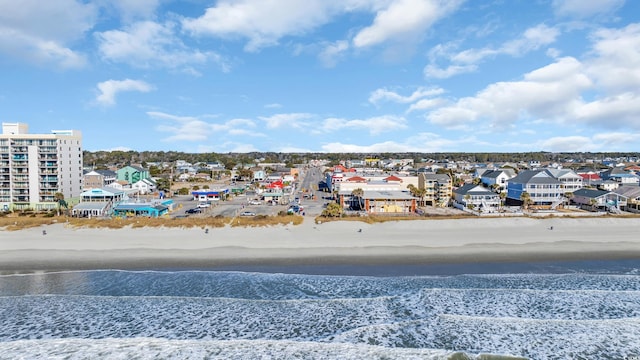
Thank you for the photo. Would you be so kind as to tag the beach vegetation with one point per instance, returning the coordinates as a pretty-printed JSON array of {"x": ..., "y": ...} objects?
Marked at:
[{"x": 333, "y": 210}]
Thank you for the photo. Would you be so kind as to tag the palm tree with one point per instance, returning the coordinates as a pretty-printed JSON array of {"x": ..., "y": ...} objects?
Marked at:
[
  {"x": 358, "y": 193},
  {"x": 412, "y": 189},
  {"x": 502, "y": 197},
  {"x": 525, "y": 197},
  {"x": 467, "y": 201},
  {"x": 568, "y": 196},
  {"x": 421, "y": 193}
]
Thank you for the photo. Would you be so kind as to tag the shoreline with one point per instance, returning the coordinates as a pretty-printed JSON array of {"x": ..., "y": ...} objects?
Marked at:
[{"x": 415, "y": 243}]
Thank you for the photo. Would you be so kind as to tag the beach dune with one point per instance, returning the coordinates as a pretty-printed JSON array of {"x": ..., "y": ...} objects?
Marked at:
[{"x": 330, "y": 243}]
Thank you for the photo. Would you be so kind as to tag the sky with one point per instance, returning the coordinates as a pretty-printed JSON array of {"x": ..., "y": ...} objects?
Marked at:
[{"x": 366, "y": 76}]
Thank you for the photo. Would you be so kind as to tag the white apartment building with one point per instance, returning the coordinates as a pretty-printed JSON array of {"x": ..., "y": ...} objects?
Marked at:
[{"x": 34, "y": 167}]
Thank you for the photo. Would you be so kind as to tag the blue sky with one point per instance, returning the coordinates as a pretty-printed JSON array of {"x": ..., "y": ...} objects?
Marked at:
[{"x": 326, "y": 75}]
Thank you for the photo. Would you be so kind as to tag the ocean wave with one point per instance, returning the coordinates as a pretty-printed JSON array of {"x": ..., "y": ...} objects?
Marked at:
[
  {"x": 287, "y": 286},
  {"x": 152, "y": 348}
]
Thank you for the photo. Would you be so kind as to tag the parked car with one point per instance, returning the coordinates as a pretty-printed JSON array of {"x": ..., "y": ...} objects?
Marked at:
[
  {"x": 247, "y": 213},
  {"x": 194, "y": 211},
  {"x": 204, "y": 205},
  {"x": 255, "y": 202}
]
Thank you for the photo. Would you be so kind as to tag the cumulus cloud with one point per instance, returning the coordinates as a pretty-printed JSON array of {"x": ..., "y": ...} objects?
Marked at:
[
  {"x": 110, "y": 88},
  {"x": 264, "y": 22},
  {"x": 150, "y": 44},
  {"x": 41, "y": 32},
  {"x": 404, "y": 19},
  {"x": 615, "y": 60},
  {"x": 548, "y": 93}
]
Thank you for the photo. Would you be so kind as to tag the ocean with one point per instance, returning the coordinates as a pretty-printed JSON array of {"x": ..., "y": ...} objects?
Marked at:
[{"x": 536, "y": 311}]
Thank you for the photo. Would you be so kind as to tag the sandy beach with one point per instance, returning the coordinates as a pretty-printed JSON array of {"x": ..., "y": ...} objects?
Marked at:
[{"x": 332, "y": 243}]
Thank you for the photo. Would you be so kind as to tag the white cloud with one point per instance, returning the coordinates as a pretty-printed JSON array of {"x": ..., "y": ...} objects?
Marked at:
[
  {"x": 549, "y": 93},
  {"x": 40, "y": 31},
  {"x": 110, "y": 88},
  {"x": 332, "y": 52},
  {"x": 467, "y": 61},
  {"x": 616, "y": 111},
  {"x": 425, "y": 104},
  {"x": 567, "y": 144},
  {"x": 421, "y": 142},
  {"x": 616, "y": 58},
  {"x": 292, "y": 120},
  {"x": 190, "y": 128},
  {"x": 374, "y": 126},
  {"x": 265, "y": 22},
  {"x": 404, "y": 19},
  {"x": 150, "y": 44},
  {"x": 584, "y": 9},
  {"x": 273, "y": 106},
  {"x": 433, "y": 71},
  {"x": 384, "y": 94}
]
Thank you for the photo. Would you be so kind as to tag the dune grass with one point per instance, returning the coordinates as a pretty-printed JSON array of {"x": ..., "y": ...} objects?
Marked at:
[{"x": 14, "y": 222}]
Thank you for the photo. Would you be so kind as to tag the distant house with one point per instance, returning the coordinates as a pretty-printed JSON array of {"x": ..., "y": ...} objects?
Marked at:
[
  {"x": 479, "y": 196},
  {"x": 590, "y": 178},
  {"x": 619, "y": 174},
  {"x": 132, "y": 174},
  {"x": 544, "y": 190},
  {"x": 144, "y": 186},
  {"x": 497, "y": 178},
  {"x": 438, "y": 188},
  {"x": 92, "y": 180}
]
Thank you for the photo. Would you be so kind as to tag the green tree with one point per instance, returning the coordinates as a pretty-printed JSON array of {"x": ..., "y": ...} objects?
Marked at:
[{"x": 332, "y": 210}]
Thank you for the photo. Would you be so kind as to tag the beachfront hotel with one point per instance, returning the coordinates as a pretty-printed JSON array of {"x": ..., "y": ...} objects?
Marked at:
[{"x": 34, "y": 167}]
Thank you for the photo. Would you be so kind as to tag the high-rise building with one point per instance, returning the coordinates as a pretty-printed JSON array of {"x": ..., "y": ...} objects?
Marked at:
[{"x": 35, "y": 167}]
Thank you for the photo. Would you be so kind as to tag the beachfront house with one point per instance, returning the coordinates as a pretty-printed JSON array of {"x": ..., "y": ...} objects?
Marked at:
[
  {"x": 438, "y": 188},
  {"x": 477, "y": 197},
  {"x": 98, "y": 202},
  {"x": 570, "y": 180},
  {"x": 632, "y": 193},
  {"x": 592, "y": 199},
  {"x": 388, "y": 202},
  {"x": 542, "y": 190},
  {"x": 154, "y": 208}
]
